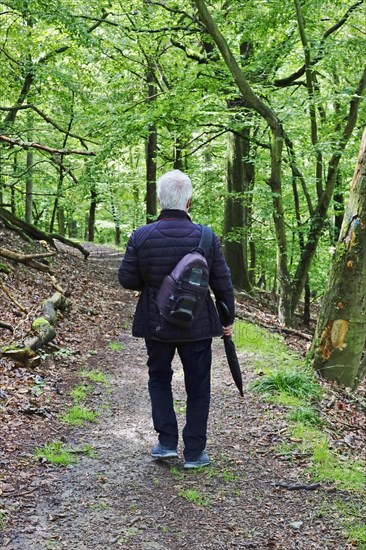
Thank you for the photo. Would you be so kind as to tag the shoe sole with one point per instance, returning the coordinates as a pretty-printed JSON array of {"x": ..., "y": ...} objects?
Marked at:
[
  {"x": 195, "y": 466},
  {"x": 169, "y": 455}
]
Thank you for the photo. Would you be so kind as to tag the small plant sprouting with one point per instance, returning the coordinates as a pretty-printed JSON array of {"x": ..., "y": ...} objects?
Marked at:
[
  {"x": 94, "y": 376},
  {"x": 179, "y": 407},
  {"x": 3, "y": 513},
  {"x": 178, "y": 474},
  {"x": 80, "y": 392},
  {"x": 77, "y": 415},
  {"x": 115, "y": 346},
  {"x": 63, "y": 353},
  {"x": 194, "y": 496},
  {"x": 55, "y": 453}
]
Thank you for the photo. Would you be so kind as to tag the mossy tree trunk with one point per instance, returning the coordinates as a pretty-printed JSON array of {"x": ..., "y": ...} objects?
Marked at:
[{"x": 339, "y": 342}]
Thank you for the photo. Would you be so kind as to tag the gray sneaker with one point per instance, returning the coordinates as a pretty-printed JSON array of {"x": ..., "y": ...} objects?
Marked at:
[
  {"x": 202, "y": 460},
  {"x": 159, "y": 451}
]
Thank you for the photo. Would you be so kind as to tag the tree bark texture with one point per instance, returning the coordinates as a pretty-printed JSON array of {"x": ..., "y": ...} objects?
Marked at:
[
  {"x": 151, "y": 152},
  {"x": 340, "y": 337},
  {"x": 234, "y": 222}
]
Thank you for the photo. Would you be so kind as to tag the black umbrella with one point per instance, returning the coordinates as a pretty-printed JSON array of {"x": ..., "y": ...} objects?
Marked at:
[{"x": 230, "y": 350}]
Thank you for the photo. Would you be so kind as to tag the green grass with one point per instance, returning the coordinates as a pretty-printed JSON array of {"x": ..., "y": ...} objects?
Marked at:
[
  {"x": 305, "y": 415},
  {"x": 55, "y": 453},
  {"x": 115, "y": 346},
  {"x": 80, "y": 392},
  {"x": 353, "y": 521},
  {"x": 194, "y": 496},
  {"x": 176, "y": 472},
  {"x": 286, "y": 380},
  {"x": 179, "y": 406},
  {"x": 78, "y": 414},
  {"x": 94, "y": 376},
  {"x": 292, "y": 382},
  {"x": 254, "y": 339},
  {"x": 324, "y": 463}
]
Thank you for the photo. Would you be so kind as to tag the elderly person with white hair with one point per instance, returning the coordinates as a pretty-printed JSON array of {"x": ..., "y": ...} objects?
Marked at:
[{"x": 152, "y": 253}]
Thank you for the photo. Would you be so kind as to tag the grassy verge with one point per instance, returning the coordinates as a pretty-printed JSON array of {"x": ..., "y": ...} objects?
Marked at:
[{"x": 284, "y": 378}]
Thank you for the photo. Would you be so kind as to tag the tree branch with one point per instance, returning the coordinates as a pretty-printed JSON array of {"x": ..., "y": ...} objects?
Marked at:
[
  {"x": 50, "y": 121},
  {"x": 283, "y": 82},
  {"x": 39, "y": 146}
]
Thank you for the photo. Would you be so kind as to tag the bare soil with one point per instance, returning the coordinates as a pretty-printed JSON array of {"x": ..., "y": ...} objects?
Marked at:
[{"x": 121, "y": 497}]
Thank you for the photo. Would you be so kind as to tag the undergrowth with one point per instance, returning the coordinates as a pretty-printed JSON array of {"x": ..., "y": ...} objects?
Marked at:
[{"x": 284, "y": 378}]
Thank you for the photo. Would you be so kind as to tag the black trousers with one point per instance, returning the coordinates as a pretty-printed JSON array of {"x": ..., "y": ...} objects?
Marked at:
[{"x": 196, "y": 359}]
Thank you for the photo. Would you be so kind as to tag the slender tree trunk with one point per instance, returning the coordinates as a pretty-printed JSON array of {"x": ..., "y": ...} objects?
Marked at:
[
  {"x": 177, "y": 153},
  {"x": 92, "y": 209},
  {"x": 340, "y": 337},
  {"x": 29, "y": 176},
  {"x": 234, "y": 222},
  {"x": 151, "y": 153},
  {"x": 338, "y": 202}
]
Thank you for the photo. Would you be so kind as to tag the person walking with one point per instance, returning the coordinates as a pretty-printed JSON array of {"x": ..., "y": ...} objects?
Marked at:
[{"x": 152, "y": 252}]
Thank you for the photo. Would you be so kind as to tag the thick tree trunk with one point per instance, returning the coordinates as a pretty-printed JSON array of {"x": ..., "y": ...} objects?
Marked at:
[
  {"x": 234, "y": 223},
  {"x": 340, "y": 336}
]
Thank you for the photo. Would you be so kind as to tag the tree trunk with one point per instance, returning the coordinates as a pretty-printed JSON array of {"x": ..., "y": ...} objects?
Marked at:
[
  {"x": 92, "y": 209},
  {"x": 151, "y": 152},
  {"x": 234, "y": 223},
  {"x": 29, "y": 178},
  {"x": 340, "y": 337}
]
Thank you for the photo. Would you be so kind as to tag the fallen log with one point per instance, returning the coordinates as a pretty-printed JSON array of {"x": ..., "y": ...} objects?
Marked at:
[
  {"x": 27, "y": 228},
  {"x": 28, "y": 259},
  {"x": 43, "y": 332}
]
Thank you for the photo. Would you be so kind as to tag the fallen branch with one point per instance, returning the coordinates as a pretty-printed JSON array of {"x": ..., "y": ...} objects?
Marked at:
[
  {"x": 6, "y": 326},
  {"x": 68, "y": 242},
  {"x": 28, "y": 228},
  {"x": 43, "y": 329},
  {"x": 274, "y": 328},
  {"x": 27, "y": 259},
  {"x": 298, "y": 486},
  {"x": 11, "y": 297}
]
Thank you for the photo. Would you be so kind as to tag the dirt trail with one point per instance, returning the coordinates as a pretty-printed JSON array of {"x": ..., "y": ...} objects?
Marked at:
[{"x": 124, "y": 499}]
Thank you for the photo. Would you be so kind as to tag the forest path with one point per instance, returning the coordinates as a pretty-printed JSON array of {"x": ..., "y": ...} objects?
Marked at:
[{"x": 124, "y": 499}]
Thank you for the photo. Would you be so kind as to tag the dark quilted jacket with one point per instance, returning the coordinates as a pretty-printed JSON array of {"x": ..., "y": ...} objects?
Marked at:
[{"x": 148, "y": 260}]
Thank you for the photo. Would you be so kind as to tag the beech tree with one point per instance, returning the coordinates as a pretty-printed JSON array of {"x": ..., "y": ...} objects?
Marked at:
[
  {"x": 291, "y": 285},
  {"x": 338, "y": 347}
]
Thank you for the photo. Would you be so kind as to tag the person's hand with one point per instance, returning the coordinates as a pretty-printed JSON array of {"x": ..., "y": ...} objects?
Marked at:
[{"x": 228, "y": 331}]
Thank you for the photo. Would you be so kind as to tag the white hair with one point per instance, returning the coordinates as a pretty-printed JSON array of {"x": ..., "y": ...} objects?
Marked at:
[{"x": 174, "y": 190}]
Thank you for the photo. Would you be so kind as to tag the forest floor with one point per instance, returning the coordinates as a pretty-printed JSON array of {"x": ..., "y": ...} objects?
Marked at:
[{"x": 116, "y": 495}]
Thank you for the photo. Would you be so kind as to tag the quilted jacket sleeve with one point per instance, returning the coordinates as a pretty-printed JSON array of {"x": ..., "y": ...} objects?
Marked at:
[
  {"x": 220, "y": 280},
  {"x": 129, "y": 274}
]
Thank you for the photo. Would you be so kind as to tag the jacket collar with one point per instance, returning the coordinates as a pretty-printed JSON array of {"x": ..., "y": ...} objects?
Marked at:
[{"x": 173, "y": 214}]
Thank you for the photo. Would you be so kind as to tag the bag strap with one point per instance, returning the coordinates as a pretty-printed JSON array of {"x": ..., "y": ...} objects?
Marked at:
[{"x": 206, "y": 239}]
